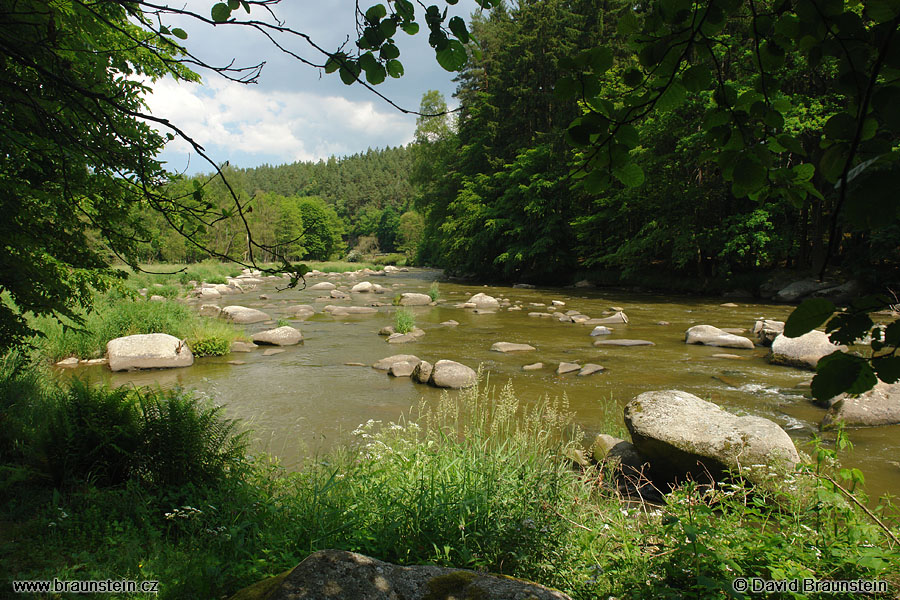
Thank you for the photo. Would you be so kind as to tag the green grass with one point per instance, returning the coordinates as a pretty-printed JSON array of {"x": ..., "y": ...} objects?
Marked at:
[
  {"x": 404, "y": 320},
  {"x": 116, "y": 316},
  {"x": 179, "y": 275},
  {"x": 474, "y": 480},
  {"x": 434, "y": 292}
]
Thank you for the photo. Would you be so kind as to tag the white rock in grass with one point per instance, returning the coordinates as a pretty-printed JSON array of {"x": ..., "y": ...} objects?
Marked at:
[{"x": 148, "y": 351}]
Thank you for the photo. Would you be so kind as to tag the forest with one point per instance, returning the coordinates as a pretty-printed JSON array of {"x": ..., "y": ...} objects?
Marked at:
[{"x": 497, "y": 190}]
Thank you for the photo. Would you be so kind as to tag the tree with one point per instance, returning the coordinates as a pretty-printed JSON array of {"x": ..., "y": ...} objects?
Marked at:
[{"x": 78, "y": 152}]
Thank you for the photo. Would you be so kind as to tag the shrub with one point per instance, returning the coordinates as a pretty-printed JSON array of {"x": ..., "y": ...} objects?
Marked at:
[
  {"x": 404, "y": 321},
  {"x": 210, "y": 346},
  {"x": 354, "y": 256},
  {"x": 434, "y": 291}
]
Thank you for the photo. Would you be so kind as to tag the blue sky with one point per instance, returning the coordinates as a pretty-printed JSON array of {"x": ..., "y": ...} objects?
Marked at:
[{"x": 295, "y": 112}]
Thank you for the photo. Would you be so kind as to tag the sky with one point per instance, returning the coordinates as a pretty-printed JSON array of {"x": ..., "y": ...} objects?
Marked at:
[{"x": 295, "y": 112}]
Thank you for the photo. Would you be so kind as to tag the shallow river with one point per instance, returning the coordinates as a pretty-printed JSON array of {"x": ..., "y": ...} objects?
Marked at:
[{"x": 305, "y": 399}]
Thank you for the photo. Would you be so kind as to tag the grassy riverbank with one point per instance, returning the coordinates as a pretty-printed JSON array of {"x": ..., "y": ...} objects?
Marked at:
[{"x": 153, "y": 485}]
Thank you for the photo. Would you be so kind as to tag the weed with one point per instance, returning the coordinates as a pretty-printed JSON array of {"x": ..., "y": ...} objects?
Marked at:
[
  {"x": 434, "y": 291},
  {"x": 404, "y": 321}
]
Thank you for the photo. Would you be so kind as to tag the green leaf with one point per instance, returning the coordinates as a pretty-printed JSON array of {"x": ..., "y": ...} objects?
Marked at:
[
  {"x": 601, "y": 59},
  {"x": 833, "y": 162},
  {"x": 846, "y": 328},
  {"x": 882, "y": 11},
  {"x": 748, "y": 176},
  {"x": 220, "y": 12},
  {"x": 631, "y": 175},
  {"x": 811, "y": 313},
  {"x": 840, "y": 373},
  {"x": 632, "y": 77},
  {"x": 696, "y": 78},
  {"x": 887, "y": 368},
  {"x": 246, "y": 6},
  {"x": 394, "y": 68},
  {"x": 841, "y": 126},
  {"x": 804, "y": 172},
  {"x": 453, "y": 57},
  {"x": 334, "y": 62},
  {"x": 410, "y": 28},
  {"x": 672, "y": 98},
  {"x": 628, "y": 135},
  {"x": 376, "y": 13},
  {"x": 458, "y": 27},
  {"x": 376, "y": 74},
  {"x": 389, "y": 51},
  {"x": 349, "y": 72},
  {"x": 180, "y": 33},
  {"x": 234, "y": 4}
]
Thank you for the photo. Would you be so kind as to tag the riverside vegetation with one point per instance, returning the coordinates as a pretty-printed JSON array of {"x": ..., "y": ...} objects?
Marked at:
[{"x": 148, "y": 484}]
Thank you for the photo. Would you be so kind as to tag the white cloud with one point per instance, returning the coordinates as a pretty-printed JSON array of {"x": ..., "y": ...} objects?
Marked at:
[{"x": 282, "y": 126}]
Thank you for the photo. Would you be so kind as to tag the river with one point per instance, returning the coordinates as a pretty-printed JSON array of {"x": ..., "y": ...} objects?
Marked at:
[{"x": 307, "y": 398}]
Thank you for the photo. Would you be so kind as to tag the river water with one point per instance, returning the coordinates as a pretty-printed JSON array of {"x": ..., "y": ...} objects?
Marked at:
[{"x": 307, "y": 398}]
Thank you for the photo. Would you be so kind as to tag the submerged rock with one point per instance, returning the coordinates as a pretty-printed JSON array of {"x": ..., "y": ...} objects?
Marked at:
[
  {"x": 243, "y": 346},
  {"x": 511, "y": 347},
  {"x": 590, "y": 369},
  {"x": 566, "y": 367},
  {"x": 618, "y": 318},
  {"x": 624, "y": 343},
  {"x": 533, "y": 367},
  {"x": 148, "y": 351},
  {"x": 683, "y": 435},
  {"x": 349, "y": 576},
  {"x": 601, "y": 330},
  {"x": 713, "y": 336}
]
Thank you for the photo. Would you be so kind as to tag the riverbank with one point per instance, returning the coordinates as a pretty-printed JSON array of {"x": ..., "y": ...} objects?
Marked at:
[{"x": 476, "y": 480}]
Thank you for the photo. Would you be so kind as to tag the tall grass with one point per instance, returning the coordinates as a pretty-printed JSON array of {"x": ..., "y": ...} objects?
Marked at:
[
  {"x": 114, "y": 317},
  {"x": 404, "y": 320}
]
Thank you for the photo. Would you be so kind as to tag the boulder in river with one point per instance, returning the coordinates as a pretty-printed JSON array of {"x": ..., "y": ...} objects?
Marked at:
[
  {"x": 453, "y": 375},
  {"x": 148, "y": 351},
  {"x": 344, "y": 575},
  {"x": 800, "y": 289},
  {"x": 713, "y": 336},
  {"x": 244, "y": 315},
  {"x": 363, "y": 287},
  {"x": 401, "y": 369},
  {"x": 601, "y": 330},
  {"x": 804, "y": 351},
  {"x": 210, "y": 310},
  {"x": 767, "y": 330},
  {"x": 533, "y": 367},
  {"x": 590, "y": 369},
  {"x": 567, "y": 367},
  {"x": 482, "y": 300},
  {"x": 616, "y": 319},
  {"x": 681, "y": 434},
  {"x": 323, "y": 285},
  {"x": 385, "y": 363},
  {"x": 878, "y": 406},
  {"x": 243, "y": 346},
  {"x": 300, "y": 311},
  {"x": 343, "y": 311},
  {"x": 624, "y": 343},
  {"x": 280, "y": 336},
  {"x": 414, "y": 299},
  {"x": 422, "y": 371},
  {"x": 511, "y": 347}
]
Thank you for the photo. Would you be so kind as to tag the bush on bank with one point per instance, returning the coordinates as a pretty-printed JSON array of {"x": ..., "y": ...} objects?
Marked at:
[{"x": 158, "y": 486}]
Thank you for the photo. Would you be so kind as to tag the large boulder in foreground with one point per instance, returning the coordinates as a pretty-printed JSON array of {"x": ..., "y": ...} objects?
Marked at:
[
  {"x": 349, "y": 576},
  {"x": 453, "y": 375},
  {"x": 280, "y": 336},
  {"x": 681, "y": 434},
  {"x": 804, "y": 351},
  {"x": 242, "y": 314},
  {"x": 713, "y": 336},
  {"x": 878, "y": 406},
  {"x": 148, "y": 351}
]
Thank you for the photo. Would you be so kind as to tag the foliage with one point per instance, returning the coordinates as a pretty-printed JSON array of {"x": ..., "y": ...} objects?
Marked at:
[
  {"x": 434, "y": 291},
  {"x": 209, "y": 346},
  {"x": 404, "y": 320}
]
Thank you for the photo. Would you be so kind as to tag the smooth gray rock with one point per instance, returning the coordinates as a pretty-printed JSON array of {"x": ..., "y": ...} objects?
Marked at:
[
  {"x": 385, "y": 363},
  {"x": 244, "y": 315},
  {"x": 803, "y": 352},
  {"x": 453, "y": 375},
  {"x": 450, "y": 323},
  {"x": 511, "y": 347},
  {"x": 322, "y": 285},
  {"x": 363, "y": 287},
  {"x": 590, "y": 369},
  {"x": 566, "y": 367},
  {"x": 533, "y": 367},
  {"x": 800, "y": 289},
  {"x": 681, "y": 434},
  {"x": 481, "y": 300},
  {"x": 340, "y": 575},
  {"x": 626, "y": 343},
  {"x": 280, "y": 336},
  {"x": 210, "y": 310},
  {"x": 148, "y": 351},
  {"x": 343, "y": 311},
  {"x": 401, "y": 338},
  {"x": 402, "y": 369},
  {"x": 413, "y": 299},
  {"x": 272, "y": 351},
  {"x": 338, "y": 295},
  {"x": 767, "y": 330},
  {"x": 713, "y": 336},
  {"x": 243, "y": 346},
  {"x": 68, "y": 363},
  {"x": 616, "y": 319},
  {"x": 422, "y": 371},
  {"x": 878, "y": 406},
  {"x": 601, "y": 330}
]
